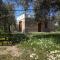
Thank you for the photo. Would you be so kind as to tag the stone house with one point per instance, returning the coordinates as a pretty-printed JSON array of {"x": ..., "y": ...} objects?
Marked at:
[{"x": 28, "y": 24}]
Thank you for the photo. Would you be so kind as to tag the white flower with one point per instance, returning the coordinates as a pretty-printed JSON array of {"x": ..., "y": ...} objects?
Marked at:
[
  {"x": 32, "y": 55},
  {"x": 34, "y": 49}
]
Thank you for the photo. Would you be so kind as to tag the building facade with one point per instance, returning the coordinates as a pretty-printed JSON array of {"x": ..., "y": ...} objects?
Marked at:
[{"x": 28, "y": 24}]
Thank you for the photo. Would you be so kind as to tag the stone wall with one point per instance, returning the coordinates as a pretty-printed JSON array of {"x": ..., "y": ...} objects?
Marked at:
[{"x": 31, "y": 25}]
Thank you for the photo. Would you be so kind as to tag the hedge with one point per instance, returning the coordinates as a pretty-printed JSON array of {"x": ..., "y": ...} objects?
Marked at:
[{"x": 16, "y": 38}]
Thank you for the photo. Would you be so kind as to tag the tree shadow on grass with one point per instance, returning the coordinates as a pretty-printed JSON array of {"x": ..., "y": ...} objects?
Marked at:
[
  {"x": 55, "y": 37},
  {"x": 12, "y": 39}
]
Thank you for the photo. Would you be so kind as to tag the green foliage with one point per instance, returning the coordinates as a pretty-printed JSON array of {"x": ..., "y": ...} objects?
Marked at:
[
  {"x": 42, "y": 8},
  {"x": 1, "y": 29},
  {"x": 7, "y": 17},
  {"x": 12, "y": 38},
  {"x": 57, "y": 29}
]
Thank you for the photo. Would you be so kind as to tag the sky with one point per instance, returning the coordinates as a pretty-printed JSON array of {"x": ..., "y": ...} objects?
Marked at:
[{"x": 20, "y": 10}]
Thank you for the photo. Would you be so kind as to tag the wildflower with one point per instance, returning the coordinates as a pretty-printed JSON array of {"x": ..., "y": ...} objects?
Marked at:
[
  {"x": 34, "y": 49},
  {"x": 32, "y": 55}
]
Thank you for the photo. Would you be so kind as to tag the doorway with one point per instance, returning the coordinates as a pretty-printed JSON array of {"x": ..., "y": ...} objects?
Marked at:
[
  {"x": 39, "y": 27},
  {"x": 20, "y": 26}
]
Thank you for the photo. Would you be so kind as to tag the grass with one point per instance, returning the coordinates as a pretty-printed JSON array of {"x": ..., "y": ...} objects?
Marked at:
[
  {"x": 40, "y": 47},
  {"x": 37, "y": 47}
]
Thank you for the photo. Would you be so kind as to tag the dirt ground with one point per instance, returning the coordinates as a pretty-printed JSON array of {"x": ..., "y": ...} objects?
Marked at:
[{"x": 12, "y": 50}]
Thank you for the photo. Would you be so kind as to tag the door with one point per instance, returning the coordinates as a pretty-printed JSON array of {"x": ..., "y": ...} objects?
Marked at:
[
  {"x": 39, "y": 27},
  {"x": 20, "y": 26}
]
